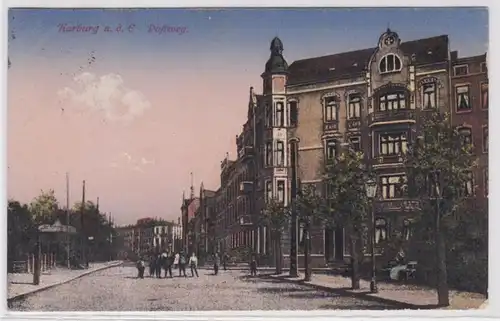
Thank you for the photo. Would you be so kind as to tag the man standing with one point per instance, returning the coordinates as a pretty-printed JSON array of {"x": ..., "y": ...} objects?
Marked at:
[
  {"x": 182, "y": 264},
  {"x": 193, "y": 262},
  {"x": 169, "y": 261},
  {"x": 253, "y": 265},
  {"x": 225, "y": 260},
  {"x": 216, "y": 263}
]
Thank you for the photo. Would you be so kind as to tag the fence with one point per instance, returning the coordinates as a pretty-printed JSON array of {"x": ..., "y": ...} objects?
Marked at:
[{"x": 47, "y": 262}]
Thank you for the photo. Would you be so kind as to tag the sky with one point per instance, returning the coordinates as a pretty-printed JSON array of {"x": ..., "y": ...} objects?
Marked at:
[{"x": 133, "y": 110}]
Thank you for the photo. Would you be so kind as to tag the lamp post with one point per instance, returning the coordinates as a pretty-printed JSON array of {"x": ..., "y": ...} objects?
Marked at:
[{"x": 371, "y": 191}]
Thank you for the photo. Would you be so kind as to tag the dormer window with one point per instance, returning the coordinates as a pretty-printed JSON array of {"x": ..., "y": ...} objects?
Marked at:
[{"x": 390, "y": 63}]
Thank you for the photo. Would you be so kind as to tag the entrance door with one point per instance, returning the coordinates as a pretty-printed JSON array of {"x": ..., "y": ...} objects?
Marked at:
[
  {"x": 339, "y": 244},
  {"x": 329, "y": 244}
]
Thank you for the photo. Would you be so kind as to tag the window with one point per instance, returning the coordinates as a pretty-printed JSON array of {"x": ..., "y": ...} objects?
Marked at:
[
  {"x": 380, "y": 230},
  {"x": 406, "y": 229},
  {"x": 331, "y": 109},
  {"x": 280, "y": 114},
  {"x": 280, "y": 153},
  {"x": 465, "y": 136},
  {"x": 430, "y": 97},
  {"x": 484, "y": 67},
  {"x": 393, "y": 186},
  {"x": 269, "y": 116},
  {"x": 463, "y": 98},
  {"x": 393, "y": 101},
  {"x": 331, "y": 149},
  {"x": 392, "y": 144},
  {"x": 354, "y": 107},
  {"x": 484, "y": 95},
  {"x": 461, "y": 70},
  {"x": 355, "y": 143},
  {"x": 485, "y": 139},
  {"x": 390, "y": 63},
  {"x": 468, "y": 188},
  {"x": 269, "y": 190},
  {"x": 485, "y": 177},
  {"x": 293, "y": 113},
  {"x": 269, "y": 154},
  {"x": 281, "y": 191}
]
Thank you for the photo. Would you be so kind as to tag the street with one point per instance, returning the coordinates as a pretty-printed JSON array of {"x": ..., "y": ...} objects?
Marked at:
[{"x": 118, "y": 289}]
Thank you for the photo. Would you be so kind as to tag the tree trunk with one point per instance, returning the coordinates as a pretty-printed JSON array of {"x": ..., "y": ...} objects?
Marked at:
[
  {"x": 442, "y": 277},
  {"x": 307, "y": 253},
  {"x": 279, "y": 254},
  {"x": 354, "y": 265}
]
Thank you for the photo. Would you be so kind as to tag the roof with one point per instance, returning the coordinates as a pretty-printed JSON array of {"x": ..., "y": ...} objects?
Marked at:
[
  {"x": 348, "y": 64},
  {"x": 209, "y": 193}
]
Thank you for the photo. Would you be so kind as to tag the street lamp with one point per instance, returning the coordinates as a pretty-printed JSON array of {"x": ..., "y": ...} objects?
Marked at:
[{"x": 371, "y": 191}]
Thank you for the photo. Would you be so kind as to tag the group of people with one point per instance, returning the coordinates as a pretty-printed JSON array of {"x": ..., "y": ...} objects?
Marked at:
[{"x": 166, "y": 262}]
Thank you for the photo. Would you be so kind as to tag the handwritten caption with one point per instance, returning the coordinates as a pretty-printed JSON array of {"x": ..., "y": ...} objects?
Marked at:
[{"x": 118, "y": 29}]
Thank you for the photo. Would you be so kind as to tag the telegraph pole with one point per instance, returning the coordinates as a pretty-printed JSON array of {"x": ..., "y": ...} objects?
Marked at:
[
  {"x": 84, "y": 236},
  {"x": 294, "y": 269},
  {"x": 68, "y": 249}
]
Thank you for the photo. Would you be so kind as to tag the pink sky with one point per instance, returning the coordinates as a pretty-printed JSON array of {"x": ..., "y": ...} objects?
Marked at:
[{"x": 137, "y": 166}]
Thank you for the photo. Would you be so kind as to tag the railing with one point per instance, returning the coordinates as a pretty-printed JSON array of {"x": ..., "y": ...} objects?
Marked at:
[
  {"x": 387, "y": 159},
  {"x": 391, "y": 115},
  {"x": 47, "y": 262},
  {"x": 332, "y": 126},
  {"x": 353, "y": 124},
  {"x": 397, "y": 205}
]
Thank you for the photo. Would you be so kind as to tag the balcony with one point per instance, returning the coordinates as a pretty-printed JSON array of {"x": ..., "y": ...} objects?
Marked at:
[
  {"x": 397, "y": 205},
  {"x": 392, "y": 116},
  {"x": 388, "y": 159},
  {"x": 353, "y": 124},
  {"x": 245, "y": 152},
  {"x": 331, "y": 126}
]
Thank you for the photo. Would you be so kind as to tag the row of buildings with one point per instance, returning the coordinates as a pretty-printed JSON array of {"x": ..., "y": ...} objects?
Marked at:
[
  {"x": 372, "y": 99},
  {"x": 150, "y": 235}
]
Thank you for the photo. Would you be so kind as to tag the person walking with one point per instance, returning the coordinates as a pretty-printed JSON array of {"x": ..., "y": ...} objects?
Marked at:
[
  {"x": 176, "y": 261},
  {"x": 216, "y": 263},
  {"x": 167, "y": 265},
  {"x": 182, "y": 264},
  {"x": 152, "y": 262},
  {"x": 158, "y": 265},
  {"x": 225, "y": 260},
  {"x": 140, "y": 268},
  {"x": 193, "y": 263},
  {"x": 253, "y": 265}
]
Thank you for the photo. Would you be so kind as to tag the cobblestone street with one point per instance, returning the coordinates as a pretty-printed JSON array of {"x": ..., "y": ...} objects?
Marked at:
[{"x": 119, "y": 289}]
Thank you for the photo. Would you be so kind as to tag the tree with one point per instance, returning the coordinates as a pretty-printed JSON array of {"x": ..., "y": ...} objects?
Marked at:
[
  {"x": 44, "y": 207},
  {"x": 348, "y": 204},
  {"x": 439, "y": 168},
  {"x": 19, "y": 231},
  {"x": 276, "y": 215},
  {"x": 310, "y": 208}
]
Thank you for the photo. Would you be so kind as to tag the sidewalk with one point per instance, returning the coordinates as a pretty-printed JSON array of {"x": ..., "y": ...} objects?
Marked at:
[
  {"x": 21, "y": 284},
  {"x": 408, "y": 296}
]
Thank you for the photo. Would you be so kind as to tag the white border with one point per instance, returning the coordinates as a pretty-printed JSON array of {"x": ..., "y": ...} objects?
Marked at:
[{"x": 494, "y": 268}]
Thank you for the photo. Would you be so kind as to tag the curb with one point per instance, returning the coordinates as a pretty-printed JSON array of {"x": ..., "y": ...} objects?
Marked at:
[
  {"x": 346, "y": 292},
  {"x": 43, "y": 288}
]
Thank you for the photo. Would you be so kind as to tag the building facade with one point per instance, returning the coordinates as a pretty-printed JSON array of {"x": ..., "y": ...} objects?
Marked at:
[{"x": 372, "y": 100}]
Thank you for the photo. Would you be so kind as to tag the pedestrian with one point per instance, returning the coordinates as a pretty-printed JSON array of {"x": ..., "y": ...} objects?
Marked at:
[
  {"x": 169, "y": 261},
  {"x": 176, "y": 261},
  {"x": 140, "y": 268},
  {"x": 152, "y": 262},
  {"x": 193, "y": 263},
  {"x": 158, "y": 265},
  {"x": 253, "y": 265},
  {"x": 216, "y": 263},
  {"x": 182, "y": 264},
  {"x": 225, "y": 260}
]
